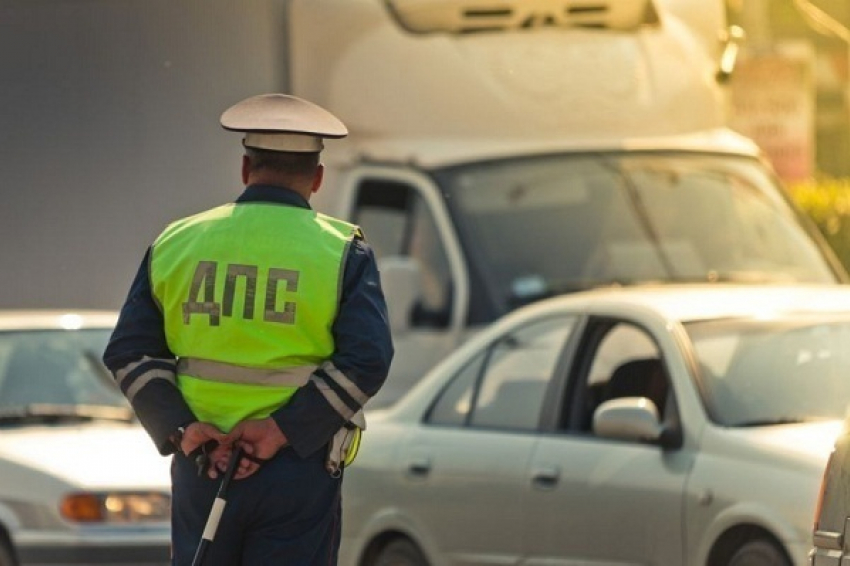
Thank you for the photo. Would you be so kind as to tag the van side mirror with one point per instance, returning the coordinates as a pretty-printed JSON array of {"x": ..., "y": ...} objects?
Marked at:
[{"x": 400, "y": 281}]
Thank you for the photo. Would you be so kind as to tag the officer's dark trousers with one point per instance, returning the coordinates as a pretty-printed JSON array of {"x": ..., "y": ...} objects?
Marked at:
[{"x": 287, "y": 513}]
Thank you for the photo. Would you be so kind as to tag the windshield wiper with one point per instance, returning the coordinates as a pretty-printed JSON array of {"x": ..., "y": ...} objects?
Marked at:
[
  {"x": 642, "y": 215},
  {"x": 554, "y": 289},
  {"x": 743, "y": 277},
  {"x": 52, "y": 413},
  {"x": 772, "y": 422},
  {"x": 99, "y": 369},
  {"x": 757, "y": 277}
]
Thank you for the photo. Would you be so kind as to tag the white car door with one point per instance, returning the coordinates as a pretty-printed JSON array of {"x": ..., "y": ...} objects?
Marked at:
[
  {"x": 467, "y": 462},
  {"x": 595, "y": 501},
  {"x": 603, "y": 502},
  {"x": 464, "y": 490}
]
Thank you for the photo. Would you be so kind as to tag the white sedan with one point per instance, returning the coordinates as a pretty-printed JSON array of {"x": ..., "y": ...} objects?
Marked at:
[
  {"x": 80, "y": 481},
  {"x": 669, "y": 426}
]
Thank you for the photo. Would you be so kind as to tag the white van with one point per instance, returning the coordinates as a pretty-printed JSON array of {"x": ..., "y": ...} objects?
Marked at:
[{"x": 505, "y": 151}]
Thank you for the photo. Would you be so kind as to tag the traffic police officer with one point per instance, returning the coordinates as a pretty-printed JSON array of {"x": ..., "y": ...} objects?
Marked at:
[{"x": 260, "y": 323}]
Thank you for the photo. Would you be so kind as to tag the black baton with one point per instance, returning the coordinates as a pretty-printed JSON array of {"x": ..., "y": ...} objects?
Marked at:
[{"x": 217, "y": 508}]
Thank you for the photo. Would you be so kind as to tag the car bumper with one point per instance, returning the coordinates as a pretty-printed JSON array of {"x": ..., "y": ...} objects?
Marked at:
[
  {"x": 828, "y": 549},
  {"x": 149, "y": 547},
  {"x": 821, "y": 557}
]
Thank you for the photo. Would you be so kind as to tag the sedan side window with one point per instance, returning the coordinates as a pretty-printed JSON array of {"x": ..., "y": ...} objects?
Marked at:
[
  {"x": 504, "y": 387},
  {"x": 627, "y": 363}
]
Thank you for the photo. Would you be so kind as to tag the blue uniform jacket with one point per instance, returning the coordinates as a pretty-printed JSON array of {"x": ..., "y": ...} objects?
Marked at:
[{"x": 138, "y": 350}]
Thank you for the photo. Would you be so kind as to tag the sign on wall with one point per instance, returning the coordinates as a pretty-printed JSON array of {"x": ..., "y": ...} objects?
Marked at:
[{"x": 773, "y": 102}]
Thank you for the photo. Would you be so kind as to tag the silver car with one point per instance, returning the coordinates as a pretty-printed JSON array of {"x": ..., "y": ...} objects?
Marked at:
[
  {"x": 831, "y": 529},
  {"x": 656, "y": 425},
  {"x": 80, "y": 481}
]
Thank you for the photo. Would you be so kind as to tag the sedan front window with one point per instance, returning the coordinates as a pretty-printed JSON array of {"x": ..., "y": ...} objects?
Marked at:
[{"x": 773, "y": 371}]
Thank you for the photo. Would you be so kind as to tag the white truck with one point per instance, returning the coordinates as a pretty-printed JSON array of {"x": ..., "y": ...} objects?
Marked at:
[{"x": 506, "y": 150}]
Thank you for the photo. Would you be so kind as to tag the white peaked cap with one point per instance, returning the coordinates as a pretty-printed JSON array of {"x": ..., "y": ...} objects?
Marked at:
[{"x": 282, "y": 122}]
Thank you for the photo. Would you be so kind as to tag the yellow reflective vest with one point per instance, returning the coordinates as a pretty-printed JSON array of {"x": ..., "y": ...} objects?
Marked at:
[{"x": 249, "y": 292}]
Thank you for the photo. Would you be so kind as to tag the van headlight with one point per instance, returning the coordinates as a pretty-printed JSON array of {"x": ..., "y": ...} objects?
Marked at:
[{"x": 116, "y": 507}]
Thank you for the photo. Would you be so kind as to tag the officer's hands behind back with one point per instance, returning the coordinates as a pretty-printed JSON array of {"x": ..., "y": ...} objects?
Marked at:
[
  {"x": 260, "y": 440},
  {"x": 198, "y": 434}
]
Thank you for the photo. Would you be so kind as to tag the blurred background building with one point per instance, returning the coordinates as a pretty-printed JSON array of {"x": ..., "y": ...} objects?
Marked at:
[{"x": 791, "y": 91}]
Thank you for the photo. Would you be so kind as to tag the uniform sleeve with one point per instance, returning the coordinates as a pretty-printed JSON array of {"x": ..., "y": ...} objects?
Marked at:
[
  {"x": 143, "y": 366},
  {"x": 358, "y": 367}
]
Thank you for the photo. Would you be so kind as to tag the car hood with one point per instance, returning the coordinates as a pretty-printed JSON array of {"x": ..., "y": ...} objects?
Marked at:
[
  {"x": 806, "y": 443},
  {"x": 89, "y": 456}
]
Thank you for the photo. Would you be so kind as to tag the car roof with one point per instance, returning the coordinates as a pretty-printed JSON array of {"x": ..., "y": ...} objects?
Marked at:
[
  {"x": 432, "y": 152},
  {"x": 686, "y": 303},
  {"x": 46, "y": 319}
]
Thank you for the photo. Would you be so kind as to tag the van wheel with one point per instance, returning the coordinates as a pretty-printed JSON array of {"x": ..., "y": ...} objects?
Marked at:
[
  {"x": 759, "y": 552},
  {"x": 400, "y": 552}
]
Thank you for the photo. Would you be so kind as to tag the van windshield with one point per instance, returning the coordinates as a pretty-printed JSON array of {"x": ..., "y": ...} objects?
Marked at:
[{"x": 544, "y": 225}]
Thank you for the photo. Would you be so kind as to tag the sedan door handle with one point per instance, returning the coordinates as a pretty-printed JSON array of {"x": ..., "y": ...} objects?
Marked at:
[
  {"x": 419, "y": 467},
  {"x": 546, "y": 478}
]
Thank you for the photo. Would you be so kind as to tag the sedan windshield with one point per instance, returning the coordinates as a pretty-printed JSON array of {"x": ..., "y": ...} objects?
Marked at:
[
  {"x": 57, "y": 376},
  {"x": 773, "y": 371},
  {"x": 545, "y": 225}
]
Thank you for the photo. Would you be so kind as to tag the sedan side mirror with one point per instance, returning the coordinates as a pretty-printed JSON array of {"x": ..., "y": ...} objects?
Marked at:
[{"x": 628, "y": 418}]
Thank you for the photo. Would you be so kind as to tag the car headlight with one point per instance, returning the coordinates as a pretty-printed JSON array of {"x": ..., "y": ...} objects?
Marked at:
[{"x": 118, "y": 507}]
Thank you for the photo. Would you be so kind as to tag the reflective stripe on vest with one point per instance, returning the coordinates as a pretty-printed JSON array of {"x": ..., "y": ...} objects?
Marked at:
[
  {"x": 249, "y": 293},
  {"x": 228, "y": 373},
  {"x": 226, "y": 394}
]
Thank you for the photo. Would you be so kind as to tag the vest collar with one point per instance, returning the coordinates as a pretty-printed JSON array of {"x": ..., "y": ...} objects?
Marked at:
[{"x": 271, "y": 193}]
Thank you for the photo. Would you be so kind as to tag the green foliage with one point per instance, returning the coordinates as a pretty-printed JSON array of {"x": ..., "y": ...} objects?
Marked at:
[{"x": 827, "y": 202}]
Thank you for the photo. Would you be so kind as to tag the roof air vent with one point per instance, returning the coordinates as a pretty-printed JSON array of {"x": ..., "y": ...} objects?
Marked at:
[{"x": 471, "y": 16}]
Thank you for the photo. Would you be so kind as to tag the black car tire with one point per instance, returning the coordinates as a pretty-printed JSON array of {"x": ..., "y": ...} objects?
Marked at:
[
  {"x": 400, "y": 552},
  {"x": 759, "y": 552},
  {"x": 6, "y": 556}
]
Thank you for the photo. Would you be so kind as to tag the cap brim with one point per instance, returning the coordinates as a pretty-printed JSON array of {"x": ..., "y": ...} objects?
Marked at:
[{"x": 282, "y": 114}]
